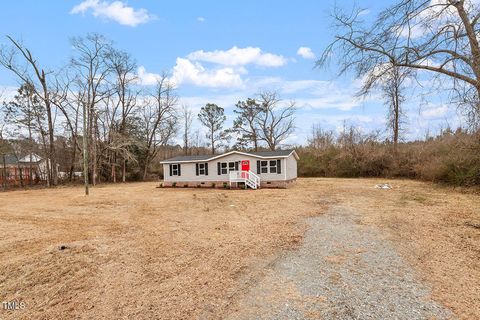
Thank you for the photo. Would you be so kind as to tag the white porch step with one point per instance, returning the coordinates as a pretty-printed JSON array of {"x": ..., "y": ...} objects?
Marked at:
[{"x": 248, "y": 177}]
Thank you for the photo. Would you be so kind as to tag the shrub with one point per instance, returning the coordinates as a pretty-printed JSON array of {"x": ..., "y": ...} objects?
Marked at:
[{"x": 451, "y": 157}]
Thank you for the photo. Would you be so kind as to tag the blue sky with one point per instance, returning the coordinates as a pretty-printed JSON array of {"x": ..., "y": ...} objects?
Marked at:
[{"x": 221, "y": 52}]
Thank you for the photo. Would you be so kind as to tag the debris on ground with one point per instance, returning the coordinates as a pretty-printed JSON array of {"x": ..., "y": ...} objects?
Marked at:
[{"x": 383, "y": 186}]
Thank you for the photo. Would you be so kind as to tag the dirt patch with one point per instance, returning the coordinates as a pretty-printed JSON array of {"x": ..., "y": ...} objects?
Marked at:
[{"x": 137, "y": 251}]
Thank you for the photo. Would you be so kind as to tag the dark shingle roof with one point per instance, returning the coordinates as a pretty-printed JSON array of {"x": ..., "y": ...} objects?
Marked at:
[
  {"x": 276, "y": 153},
  {"x": 9, "y": 159},
  {"x": 190, "y": 158}
]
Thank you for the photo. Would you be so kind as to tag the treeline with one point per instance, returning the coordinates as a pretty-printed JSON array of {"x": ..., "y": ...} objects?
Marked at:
[
  {"x": 94, "y": 116},
  {"x": 451, "y": 157}
]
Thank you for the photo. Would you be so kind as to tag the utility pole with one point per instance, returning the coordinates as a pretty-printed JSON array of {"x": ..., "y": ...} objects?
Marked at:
[{"x": 85, "y": 148}]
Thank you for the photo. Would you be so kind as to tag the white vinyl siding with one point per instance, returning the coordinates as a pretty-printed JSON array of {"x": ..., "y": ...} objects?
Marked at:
[{"x": 286, "y": 171}]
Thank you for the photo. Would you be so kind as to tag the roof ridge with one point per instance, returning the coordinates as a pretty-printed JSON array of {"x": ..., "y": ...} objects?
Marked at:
[{"x": 261, "y": 154}]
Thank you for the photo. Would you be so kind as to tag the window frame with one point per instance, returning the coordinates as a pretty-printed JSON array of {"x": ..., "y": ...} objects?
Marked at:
[
  {"x": 175, "y": 169},
  {"x": 202, "y": 171},
  {"x": 274, "y": 166},
  {"x": 229, "y": 166},
  {"x": 223, "y": 167},
  {"x": 264, "y": 166}
]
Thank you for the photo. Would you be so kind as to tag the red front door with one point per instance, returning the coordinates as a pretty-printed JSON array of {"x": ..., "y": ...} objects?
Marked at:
[{"x": 245, "y": 165}]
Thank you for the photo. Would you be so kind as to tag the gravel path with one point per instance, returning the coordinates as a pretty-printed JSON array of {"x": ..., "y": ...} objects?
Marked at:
[{"x": 343, "y": 270}]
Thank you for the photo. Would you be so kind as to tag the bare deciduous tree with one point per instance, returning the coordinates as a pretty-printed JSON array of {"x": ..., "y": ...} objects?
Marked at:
[
  {"x": 158, "y": 120},
  {"x": 440, "y": 37},
  {"x": 35, "y": 76},
  {"x": 390, "y": 80},
  {"x": 187, "y": 119},
  {"x": 91, "y": 64},
  {"x": 276, "y": 123},
  {"x": 123, "y": 67},
  {"x": 321, "y": 139}
]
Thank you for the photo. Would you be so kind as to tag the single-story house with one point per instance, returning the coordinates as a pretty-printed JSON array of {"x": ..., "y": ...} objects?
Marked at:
[
  {"x": 276, "y": 169},
  {"x": 17, "y": 170}
]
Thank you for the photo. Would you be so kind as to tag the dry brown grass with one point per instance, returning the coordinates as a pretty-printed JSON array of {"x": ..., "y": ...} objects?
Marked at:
[{"x": 136, "y": 251}]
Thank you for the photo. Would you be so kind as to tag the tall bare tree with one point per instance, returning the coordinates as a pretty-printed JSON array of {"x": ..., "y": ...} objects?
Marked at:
[
  {"x": 93, "y": 69},
  {"x": 276, "y": 123},
  {"x": 213, "y": 117},
  {"x": 440, "y": 37},
  {"x": 390, "y": 80},
  {"x": 158, "y": 119},
  {"x": 123, "y": 67},
  {"x": 187, "y": 119},
  {"x": 31, "y": 73}
]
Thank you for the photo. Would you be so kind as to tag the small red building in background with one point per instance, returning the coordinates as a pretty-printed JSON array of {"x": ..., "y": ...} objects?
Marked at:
[{"x": 30, "y": 169}]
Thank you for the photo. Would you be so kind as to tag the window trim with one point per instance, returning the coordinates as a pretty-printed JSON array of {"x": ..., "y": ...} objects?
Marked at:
[
  {"x": 264, "y": 166},
  {"x": 227, "y": 167},
  {"x": 175, "y": 170},
  {"x": 200, "y": 169},
  {"x": 274, "y": 166}
]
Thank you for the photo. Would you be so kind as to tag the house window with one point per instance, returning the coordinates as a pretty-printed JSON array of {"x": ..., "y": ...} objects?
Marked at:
[
  {"x": 201, "y": 168},
  {"x": 263, "y": 166},
  {"x": 226, "y": 167},
  {"x": 175, "y": 169},
  {"x": 273, "y": 166},
  {"x": 269, "y": 166}
]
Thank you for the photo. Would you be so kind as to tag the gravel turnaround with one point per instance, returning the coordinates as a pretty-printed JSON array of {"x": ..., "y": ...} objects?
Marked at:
[{"x": 343, "y": 270}]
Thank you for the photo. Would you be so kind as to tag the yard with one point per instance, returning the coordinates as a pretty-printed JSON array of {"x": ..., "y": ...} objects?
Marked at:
[{"x": 138, "y": 251}]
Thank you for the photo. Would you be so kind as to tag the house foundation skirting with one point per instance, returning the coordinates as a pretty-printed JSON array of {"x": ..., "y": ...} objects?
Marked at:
[{"x": 283, "y": 184}]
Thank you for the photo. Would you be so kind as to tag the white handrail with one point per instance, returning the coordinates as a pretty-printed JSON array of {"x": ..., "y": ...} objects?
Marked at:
[{"x": 248, "y": 177}]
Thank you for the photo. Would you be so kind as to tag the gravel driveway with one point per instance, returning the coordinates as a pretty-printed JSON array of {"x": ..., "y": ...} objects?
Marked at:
[{"x": 343, "y": 270}]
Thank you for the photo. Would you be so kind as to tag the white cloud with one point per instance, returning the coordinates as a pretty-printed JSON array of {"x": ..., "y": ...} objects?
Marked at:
[
  {"x": 435, "y": 112},
  {"x": 201, "y": 19},
  {"x": 146, "y": 78},
  {"x": 239, "y": 57},
  {"x": 117, "y": 11},
  {"x": 364, "y": 12},
  {"x": 227, "y": 70},
  {"x": 188, "y": 72},
  {"x": 306, "y": 53}
]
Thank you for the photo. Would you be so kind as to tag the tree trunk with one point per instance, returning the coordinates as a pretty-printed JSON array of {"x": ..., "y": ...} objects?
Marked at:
[
  {"x": 213, "y": 142},
  {"x": 21, "y": 176},
  {"x": 52, "y": 175},
  {"x": 74, "y": 155},
  {"x": 396, "y": 116},
  {"x": 94, "y": 144},
  {"x": 145, "y": 169},
  {"x": 4, "y": 180},
  {"x": 114, "y": 169},
  {"x": 30, "y": 182},
  {"x": 85, "y": 149},
  {"x": 124, "y": 170}
]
